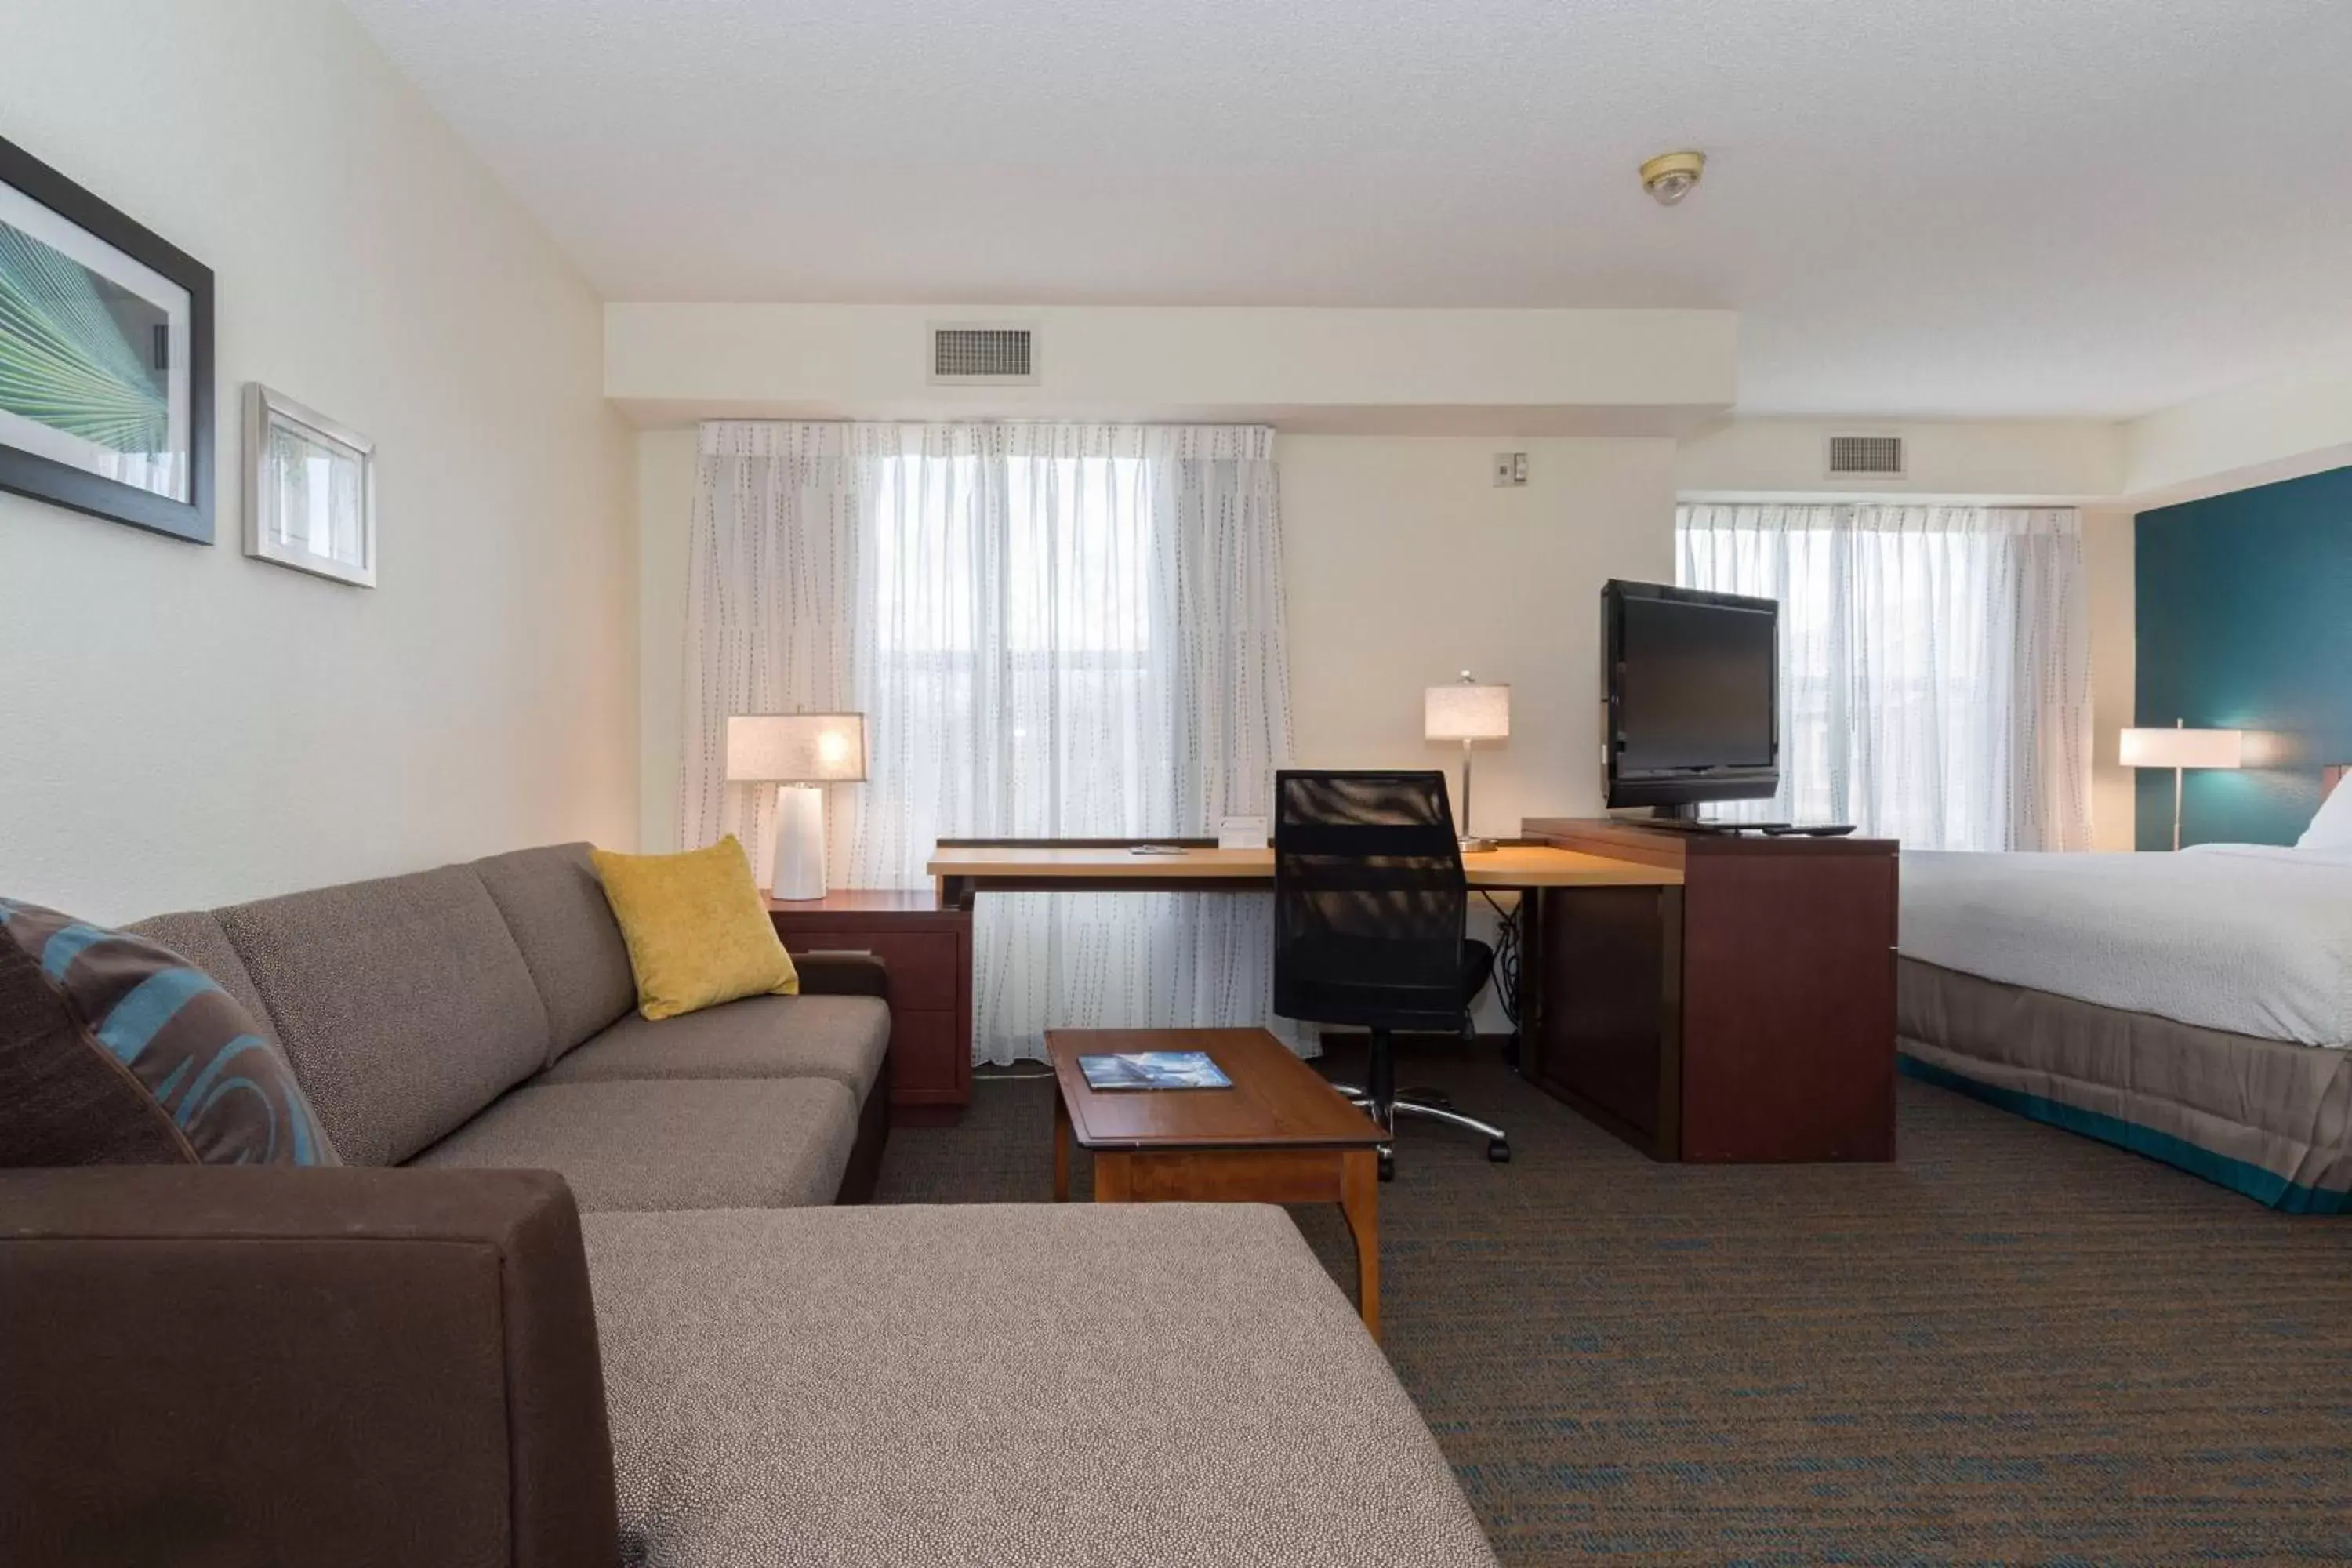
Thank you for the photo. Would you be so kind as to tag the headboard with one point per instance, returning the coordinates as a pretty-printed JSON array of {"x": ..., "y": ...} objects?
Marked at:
[{"x": 2330, "y": 778}]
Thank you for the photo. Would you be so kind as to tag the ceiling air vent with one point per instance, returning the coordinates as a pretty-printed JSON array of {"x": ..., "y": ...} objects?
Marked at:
[
  {"x": 984, "y": 355},
  {"x": 1865, "y": 458}
]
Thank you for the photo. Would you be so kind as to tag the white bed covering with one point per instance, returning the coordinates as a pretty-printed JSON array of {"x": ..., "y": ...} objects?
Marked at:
[{"x": 2249, "y": 938}]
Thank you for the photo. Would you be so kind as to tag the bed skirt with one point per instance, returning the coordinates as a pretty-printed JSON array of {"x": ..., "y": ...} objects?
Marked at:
[{"x": 2265, "y": 1118}]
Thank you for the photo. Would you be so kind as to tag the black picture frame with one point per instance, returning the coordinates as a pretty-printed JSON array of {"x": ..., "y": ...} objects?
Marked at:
[{"x": 45, "y": 479}]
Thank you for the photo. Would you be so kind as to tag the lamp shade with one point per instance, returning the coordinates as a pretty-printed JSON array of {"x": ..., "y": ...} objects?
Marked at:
[
  {"x": 796, "y": 748},
  {"x": 2183, "y": 749},
  {"x": 1466, "y": 712}
]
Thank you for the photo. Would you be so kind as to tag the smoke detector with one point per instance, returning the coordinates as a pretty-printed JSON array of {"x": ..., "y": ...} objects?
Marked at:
[{"x": 1670, "y": 176}]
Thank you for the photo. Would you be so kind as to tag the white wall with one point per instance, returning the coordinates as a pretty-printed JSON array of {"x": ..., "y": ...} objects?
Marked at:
[
  {"x": 185, "y": 726},
  {"x": 2107, "y": 562},
  {"x": 1607, "y": 372},
  {"x": 2293, "y": 422},
  {"x": 1404, "y": 565},
  {"x": 2280, "y": 426},
  {"x": 666, "y": 467},
  {"x": 1986, "y": 461}
]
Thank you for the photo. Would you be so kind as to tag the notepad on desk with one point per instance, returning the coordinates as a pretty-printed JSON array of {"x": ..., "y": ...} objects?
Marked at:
[{"x": 1153, "y": 1070}]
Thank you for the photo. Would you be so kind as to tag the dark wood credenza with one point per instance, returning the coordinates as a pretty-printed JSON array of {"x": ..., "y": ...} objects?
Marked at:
[
  {"x": 1746, "y": 1016},
  {"x": 927, "y": 947}
]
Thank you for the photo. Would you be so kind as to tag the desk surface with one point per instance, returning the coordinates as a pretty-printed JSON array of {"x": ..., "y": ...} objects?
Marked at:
[{"x": 1507, "y": 865}]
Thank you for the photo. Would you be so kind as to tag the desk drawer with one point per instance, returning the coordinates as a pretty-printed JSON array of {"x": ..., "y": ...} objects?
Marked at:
[{"x": 922, "y": 964}]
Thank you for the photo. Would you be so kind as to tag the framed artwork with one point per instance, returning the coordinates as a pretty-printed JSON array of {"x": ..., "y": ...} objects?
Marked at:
[
  {"x": 105, "y": 358},
  {"x": 309, "y": 489}
]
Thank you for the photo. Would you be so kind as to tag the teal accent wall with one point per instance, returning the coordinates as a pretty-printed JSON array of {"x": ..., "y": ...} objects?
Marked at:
[{"x": 2244, "y": 612}]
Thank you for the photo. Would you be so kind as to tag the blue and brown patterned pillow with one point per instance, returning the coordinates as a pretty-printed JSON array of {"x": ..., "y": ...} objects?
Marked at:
[{"x": 115, "y": 1051}]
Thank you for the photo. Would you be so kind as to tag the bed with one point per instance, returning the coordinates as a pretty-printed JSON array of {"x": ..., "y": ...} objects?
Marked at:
[{"x": 2193, "y": 1007}]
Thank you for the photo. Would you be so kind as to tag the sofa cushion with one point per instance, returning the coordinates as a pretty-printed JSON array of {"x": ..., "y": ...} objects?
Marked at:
[
  {"x": 114, "y": 1050},
  {"x": 698, "y": 1145},
  {"x": 403, "y": 1005},
  {"x": 556, "y": 910},
  {"x": 840, "y": 1037},
  {"x": 1169, "y": 1383},
  {"x": 198, "y": 937}
]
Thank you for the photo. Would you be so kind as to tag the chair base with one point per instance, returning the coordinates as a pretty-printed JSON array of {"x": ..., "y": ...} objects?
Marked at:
[{"x": 1416, "y": 1104}]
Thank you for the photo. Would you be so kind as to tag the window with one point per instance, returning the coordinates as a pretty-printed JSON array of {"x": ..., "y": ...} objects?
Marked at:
[
  {"x": 1053, "y": 631},
  {"x": 1933, "y": 665},
  {"x": 1015, "y": 611}
]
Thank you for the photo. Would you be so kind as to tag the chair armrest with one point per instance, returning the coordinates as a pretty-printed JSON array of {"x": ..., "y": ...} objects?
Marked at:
[
  {"x": 360, "y": 1367},
  {"x": 841, "y": 974}
]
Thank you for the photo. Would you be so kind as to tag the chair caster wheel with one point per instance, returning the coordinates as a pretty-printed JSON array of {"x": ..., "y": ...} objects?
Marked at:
[
  {"x": 1388, "y": 1167},
  {"x": 1498, "y": 1152}
]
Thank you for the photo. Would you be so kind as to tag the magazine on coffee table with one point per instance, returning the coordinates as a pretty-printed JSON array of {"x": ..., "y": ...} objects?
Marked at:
[{"x": 1153, "y": 1070}]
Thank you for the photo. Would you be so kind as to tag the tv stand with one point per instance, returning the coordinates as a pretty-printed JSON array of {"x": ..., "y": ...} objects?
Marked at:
[
  {"x": 1745, "y": 1016},
  {"x": 1698, "y": 824}
]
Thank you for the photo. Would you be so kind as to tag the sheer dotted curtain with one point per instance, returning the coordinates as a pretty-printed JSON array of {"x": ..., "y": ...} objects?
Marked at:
[
  {"x": 1934, "y": 666},
  {"x": 1057, "y": 631}
]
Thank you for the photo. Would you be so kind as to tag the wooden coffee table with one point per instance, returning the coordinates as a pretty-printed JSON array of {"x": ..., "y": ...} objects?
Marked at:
[{"x": 1280, "y": 1135}]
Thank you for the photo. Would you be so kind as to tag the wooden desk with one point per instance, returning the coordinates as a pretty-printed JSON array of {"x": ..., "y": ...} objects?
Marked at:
[
  {"x": 965, "y": 867},
  {"x": 1279, "y": 1135},
  {"x": 1745, "y": 1015}
]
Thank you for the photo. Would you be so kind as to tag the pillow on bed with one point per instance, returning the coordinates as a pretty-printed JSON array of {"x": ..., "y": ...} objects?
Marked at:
[{"x": 2331, "y": 829}]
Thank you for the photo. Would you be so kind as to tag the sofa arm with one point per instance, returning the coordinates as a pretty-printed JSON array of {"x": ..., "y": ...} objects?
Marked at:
[
  {"x": 369, "y": 1367},
  {"x": 841, "y": 974}
]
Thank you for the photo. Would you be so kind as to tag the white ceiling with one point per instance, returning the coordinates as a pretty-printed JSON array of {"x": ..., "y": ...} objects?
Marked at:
[{"x": 1921, "y": 207}]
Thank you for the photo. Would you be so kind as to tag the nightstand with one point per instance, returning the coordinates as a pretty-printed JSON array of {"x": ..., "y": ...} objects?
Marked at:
[{"x": 928, "y": 950}]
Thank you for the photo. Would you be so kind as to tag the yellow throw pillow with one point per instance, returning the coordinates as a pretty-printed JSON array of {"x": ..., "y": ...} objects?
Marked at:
[{"x": 698, "y": 929}]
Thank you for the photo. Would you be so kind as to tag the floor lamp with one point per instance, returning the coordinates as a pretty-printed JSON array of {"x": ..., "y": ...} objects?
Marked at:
[
  {"x": 800, "y": 753},
  {"x": 2180, "y": 748},
  {"x": 1468, "y": 712}
]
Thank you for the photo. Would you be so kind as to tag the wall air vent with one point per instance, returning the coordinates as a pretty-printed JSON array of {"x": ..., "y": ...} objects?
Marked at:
[
  {"x": 984, "y": 355},
  {"x": 1865, "y": 458}
]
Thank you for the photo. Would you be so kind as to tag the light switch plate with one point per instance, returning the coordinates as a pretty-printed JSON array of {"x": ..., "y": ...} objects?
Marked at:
[{"x": 1510, "y": 470}]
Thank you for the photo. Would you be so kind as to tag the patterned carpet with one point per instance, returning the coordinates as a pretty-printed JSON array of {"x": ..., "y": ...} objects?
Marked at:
[{"x": 2013, "y": 1345}]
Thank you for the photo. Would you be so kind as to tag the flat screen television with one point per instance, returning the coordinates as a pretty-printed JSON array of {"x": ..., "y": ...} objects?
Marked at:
[{"x": 1692, "y": 711}]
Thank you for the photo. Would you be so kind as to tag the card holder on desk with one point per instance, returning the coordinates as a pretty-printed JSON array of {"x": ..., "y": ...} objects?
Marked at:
[{"x": 1242, "y": 833}]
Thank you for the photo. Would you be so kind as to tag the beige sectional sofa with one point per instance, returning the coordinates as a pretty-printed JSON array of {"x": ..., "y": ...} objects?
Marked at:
[
  {"x": 707, "y": 1361},
  {"x": 483, "y": 1015}
]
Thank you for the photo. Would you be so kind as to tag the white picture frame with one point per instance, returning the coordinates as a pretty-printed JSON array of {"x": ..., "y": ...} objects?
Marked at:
[{"x": 310, "y": 491}]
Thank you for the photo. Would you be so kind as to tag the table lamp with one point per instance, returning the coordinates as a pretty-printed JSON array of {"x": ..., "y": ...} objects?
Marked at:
[
  {"x": 800, "y": 753},
  {"x": 2180, "y": 748},
  {"x": 1468, "y": 712}
]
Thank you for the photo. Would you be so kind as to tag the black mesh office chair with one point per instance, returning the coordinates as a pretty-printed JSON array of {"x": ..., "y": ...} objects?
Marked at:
[{"x": 1370, "y": 905}]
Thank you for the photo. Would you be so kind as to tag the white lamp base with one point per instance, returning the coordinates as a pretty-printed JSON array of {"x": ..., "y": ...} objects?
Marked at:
[
  {"x": 799, "y": 869},
  {"x": 1469, "y": 843}
]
